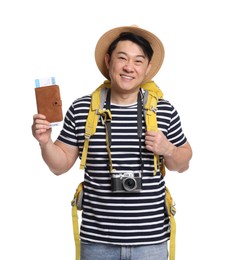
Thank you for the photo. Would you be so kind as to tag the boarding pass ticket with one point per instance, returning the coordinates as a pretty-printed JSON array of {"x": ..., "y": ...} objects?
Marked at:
[{"x": 44, "y": 82}]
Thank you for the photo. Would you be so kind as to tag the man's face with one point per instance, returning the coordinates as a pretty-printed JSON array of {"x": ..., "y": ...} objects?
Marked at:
[{"x": 128, "y": 66}]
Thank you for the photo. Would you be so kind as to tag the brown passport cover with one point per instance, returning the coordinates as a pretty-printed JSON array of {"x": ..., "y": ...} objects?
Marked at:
[{"x": 49, "y": 103}]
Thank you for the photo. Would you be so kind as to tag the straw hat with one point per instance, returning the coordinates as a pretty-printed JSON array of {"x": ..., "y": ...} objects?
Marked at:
[{"x": 107, "y": 38}]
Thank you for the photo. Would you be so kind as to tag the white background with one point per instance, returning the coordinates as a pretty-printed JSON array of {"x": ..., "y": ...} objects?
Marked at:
[{"x": 57, "y": 38}]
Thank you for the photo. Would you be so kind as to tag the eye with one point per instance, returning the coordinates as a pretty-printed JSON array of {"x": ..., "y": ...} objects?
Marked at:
[
  {"x": 122, "y": 58},
  {"x": 139, "y": 61}
]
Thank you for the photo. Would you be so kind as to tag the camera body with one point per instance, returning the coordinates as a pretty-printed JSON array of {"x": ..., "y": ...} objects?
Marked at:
[{"x": 126, "y": 182}]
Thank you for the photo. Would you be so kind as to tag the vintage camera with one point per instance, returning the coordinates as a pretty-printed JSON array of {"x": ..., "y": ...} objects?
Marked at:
[{"x": 126, "y": 182}]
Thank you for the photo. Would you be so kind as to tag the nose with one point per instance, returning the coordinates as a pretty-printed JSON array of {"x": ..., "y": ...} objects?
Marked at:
[{"x": 128, "y": 67}]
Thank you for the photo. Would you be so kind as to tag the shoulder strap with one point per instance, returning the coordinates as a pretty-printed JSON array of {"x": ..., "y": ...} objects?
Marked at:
[
  {"x": 151, "y": 96},
  {"x": 151, "y": 86},
  {"x": 96, "y": 108}
]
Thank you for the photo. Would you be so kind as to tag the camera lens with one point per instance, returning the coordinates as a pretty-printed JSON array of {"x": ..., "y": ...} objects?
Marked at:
[{"x": 129, "y": 184}]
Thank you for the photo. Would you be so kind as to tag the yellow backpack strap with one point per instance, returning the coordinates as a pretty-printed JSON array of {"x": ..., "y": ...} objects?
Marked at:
[
  {"x": 171, "y": 212},
  {"x": 77, "y": 205},
  {"x": 152, "y": 86},
  {"x": 151, "y": 96},
  {"x": 97, "y": 102}
]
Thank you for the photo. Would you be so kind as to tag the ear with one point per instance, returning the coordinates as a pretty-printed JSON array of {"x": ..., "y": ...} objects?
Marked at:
[
  {"x": 148, "y": 69},
  {"x": 107, "y": 60}
]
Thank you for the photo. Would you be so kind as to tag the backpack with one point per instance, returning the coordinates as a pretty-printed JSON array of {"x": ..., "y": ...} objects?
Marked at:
[{"x": 98, "y": 97}]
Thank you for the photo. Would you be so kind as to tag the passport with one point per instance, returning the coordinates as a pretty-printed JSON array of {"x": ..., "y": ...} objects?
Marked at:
[{"x": 49, "y": 102}]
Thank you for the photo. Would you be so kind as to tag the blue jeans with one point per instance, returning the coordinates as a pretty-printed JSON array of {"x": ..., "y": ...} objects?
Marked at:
[{"x": 97, "y": 251}]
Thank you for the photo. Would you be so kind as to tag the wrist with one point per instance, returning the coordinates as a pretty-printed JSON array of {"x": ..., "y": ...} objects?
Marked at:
[
  {"x": 171, "y": 150},
  {"x": 45, "y": 145}
]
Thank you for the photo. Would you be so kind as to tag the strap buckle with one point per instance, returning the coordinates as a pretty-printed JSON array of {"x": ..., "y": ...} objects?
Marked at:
[
  {"x": 73, "y": 202},
  {"x": 105, "y": 115},
  {"x": 173, "y": 209},
  {"x": 87, "y": 136},
  {"x": 154, "y": 109}
]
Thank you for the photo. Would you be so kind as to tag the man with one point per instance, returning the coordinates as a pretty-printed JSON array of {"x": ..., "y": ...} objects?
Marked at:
[{"x": 118, "y": 223}]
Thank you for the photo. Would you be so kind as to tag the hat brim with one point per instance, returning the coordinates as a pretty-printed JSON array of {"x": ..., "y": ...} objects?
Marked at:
[{"x": 107, "y": 38}]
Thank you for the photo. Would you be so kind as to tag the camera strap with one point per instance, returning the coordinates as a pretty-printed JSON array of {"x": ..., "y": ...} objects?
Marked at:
[{"x": 109, "y": 133}]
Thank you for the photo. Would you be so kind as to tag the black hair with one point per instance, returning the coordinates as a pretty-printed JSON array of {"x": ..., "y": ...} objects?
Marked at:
[{"x": 142, "y": 42}]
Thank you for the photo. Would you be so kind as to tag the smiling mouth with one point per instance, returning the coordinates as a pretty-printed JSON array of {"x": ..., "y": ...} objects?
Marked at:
[{"x": 126, "y": 76}]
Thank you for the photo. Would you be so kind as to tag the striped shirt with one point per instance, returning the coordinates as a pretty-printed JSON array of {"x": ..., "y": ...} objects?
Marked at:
[{"x": 135, "y": 218}]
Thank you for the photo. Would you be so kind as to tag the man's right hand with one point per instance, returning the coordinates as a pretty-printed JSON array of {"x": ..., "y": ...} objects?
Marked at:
[{"x": 41, "y": 129}]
